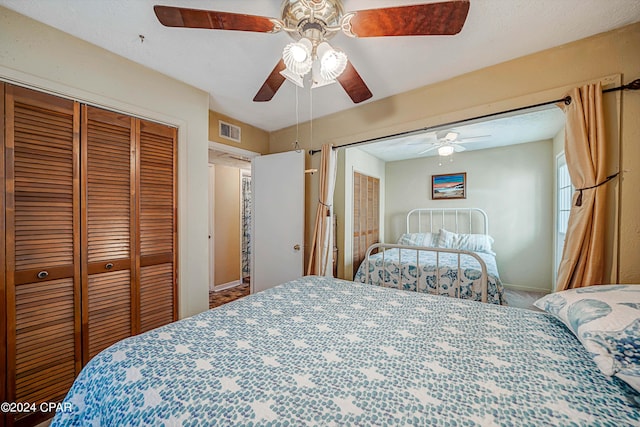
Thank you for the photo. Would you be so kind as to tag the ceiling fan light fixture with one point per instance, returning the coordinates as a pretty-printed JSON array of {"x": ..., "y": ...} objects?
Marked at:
[
  {"x": 293, "y": 77},
  {"x": 446, "y": 150},
  {"x": 332, "y": 62},
  {"x": 297, "y": 56},
  {"x": 316, "y": 77}
]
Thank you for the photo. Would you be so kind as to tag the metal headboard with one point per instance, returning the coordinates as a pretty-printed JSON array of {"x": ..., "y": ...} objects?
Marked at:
[{"x": 458, "y": 220}]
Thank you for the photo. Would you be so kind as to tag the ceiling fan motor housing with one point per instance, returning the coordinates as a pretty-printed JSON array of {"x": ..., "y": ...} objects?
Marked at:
[{"x": 311, "y": 18}]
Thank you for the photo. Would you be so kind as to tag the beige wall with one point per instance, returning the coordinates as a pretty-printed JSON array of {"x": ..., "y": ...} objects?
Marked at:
[
  {"x": 42, "y": 57},
  {"x": 252, "y": 138},
  {"x": 513, "y": 184},
  {"x": 524, "y": 81},
  {"x": 226, "y": 231}
]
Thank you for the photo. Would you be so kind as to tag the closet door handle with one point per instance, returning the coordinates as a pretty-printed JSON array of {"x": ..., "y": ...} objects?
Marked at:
[
  {"x": 43, "y": 274},
  {"x": 109, "y": 266}
]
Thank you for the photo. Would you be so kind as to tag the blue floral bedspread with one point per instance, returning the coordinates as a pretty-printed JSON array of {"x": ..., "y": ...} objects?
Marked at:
[
  {"x": 320, "y": 351},
  {"x": 404, "y": 274}
]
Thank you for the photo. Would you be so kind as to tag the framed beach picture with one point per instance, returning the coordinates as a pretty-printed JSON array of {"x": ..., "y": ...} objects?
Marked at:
[{"x": 449, "y": 186}]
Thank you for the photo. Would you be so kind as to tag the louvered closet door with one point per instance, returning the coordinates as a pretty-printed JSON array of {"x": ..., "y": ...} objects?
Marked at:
[
  {"x": 157, "y": 215},
  {"x": 366, "y": 212},
  {"x": 3, "y": 303},
  {"x": 108, "y": 270},
  {"x": 42, "y": 245}
]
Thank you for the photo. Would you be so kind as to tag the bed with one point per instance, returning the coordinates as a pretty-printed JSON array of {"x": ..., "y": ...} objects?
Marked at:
[
  {"x": 445, "y": 251},
  {"x": 323, "y": 351}
]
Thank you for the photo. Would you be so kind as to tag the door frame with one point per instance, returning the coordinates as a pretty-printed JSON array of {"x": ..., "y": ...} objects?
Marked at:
[{"x": 227, "y": 149}]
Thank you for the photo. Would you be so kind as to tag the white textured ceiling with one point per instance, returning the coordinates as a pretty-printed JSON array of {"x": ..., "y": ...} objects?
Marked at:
[
  {"x": 528, "y": 126},
  {"x": 231, "y": 66}
]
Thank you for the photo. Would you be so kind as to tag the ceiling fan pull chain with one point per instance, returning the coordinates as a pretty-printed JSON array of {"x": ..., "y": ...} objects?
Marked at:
[
  {"x": 311, "y": 117},
  {"x": 296, "y": 145}
]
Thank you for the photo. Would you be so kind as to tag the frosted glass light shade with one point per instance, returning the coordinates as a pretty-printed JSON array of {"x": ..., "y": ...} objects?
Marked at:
[
  {"x": 297, "y": 56},
  {"x": 332, "y": 62},
  {"x": 446, "y": 150},
  {"x": 316, "y": 77}
]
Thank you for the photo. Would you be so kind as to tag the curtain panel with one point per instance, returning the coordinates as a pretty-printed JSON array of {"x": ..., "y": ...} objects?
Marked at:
[
  {"x": 585, "y": 150},
  {"x": 246, "y": 226},
  {"x": 320, "y": 259}
]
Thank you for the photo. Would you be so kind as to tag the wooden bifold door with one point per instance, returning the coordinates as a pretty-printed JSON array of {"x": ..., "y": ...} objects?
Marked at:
[
  {"x": 366, "y": 213},
  {"x": 89, "y": 242}
]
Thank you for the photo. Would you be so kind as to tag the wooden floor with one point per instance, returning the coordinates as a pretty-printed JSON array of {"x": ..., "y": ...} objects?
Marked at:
[
  {"x": 514, "y": 298},
  {"x": 222, "y": 297}
]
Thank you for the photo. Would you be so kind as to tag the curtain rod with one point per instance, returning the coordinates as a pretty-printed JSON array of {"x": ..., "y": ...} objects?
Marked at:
[{"x": 634, "y": 85}]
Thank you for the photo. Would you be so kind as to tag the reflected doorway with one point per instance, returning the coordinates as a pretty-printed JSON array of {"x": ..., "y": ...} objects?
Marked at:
[{"x": 229, "y": 216}]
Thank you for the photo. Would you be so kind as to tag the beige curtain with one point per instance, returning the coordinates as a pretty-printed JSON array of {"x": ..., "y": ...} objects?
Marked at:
[
  {"x": 585, "y": 146},
  {"x": 320, "y": 257}
]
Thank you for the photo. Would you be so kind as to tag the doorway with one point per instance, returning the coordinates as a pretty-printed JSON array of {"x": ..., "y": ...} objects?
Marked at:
[{"x": 229, "y": 216}]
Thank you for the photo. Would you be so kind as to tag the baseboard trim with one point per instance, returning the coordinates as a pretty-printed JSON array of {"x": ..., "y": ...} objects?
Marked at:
[
  {"x": 222, "y": 287},
  {"x": 525, "y": 288}
]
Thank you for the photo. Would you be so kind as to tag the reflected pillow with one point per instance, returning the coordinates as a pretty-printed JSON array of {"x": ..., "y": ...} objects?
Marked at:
[
  {"x": 419, "y": 239},
  {"x": 466, "y": 242},
  {"x": 606, "y": 320}
]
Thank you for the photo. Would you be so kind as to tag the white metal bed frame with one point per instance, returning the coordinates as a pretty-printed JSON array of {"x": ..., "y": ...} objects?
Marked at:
[
  {"x": 443, "y": 217},
  {"x": 450, "y": 216}
]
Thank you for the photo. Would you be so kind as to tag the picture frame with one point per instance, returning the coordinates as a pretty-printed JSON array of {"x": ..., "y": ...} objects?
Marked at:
[{"x": 449, "y": 186}]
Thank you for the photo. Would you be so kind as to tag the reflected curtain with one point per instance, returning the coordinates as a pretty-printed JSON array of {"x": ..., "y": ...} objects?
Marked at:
[
  {"x": 582, "y": 257},
  {"x": 246, "y": 226},
  {"x": 320, "y": 257}
]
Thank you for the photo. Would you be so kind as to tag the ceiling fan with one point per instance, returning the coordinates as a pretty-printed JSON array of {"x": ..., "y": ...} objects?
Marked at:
[
  {"x": 449, "y": 142},
  {"x": 311, "y": 23}
]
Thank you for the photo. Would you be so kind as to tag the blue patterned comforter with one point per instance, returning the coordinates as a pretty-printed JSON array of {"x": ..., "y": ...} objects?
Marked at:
[
  {"x": 396, "y": 273},
  {"x": 319, "y": 351}
]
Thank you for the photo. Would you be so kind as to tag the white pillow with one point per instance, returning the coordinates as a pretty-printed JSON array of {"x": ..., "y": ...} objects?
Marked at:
[
  {"x": 465, "y": 242},
  {"x": 419, "y": 239},
  {"x": 606, "y": 320}
]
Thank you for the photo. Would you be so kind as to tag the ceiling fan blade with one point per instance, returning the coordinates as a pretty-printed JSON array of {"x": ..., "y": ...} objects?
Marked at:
[
  {"x": 471, "y": 139},
  {"x": 458, "y": 148},
  {"x": 429, "y": 149},
  {"x": 210, "y": 19},
  {"x": 421, "y": 142},
  {"x": 353, "y": 84},
  {"x": 272, "y": 84},
  {"x": 423, "y": 138},
  {"x": 431, "y": 19}
]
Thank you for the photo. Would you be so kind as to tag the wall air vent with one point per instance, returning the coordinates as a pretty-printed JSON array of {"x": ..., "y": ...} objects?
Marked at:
[{"x": 229, "y": 131}]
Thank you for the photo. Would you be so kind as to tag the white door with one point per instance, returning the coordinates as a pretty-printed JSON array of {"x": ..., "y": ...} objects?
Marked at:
[{"x": 278, "y": 219}]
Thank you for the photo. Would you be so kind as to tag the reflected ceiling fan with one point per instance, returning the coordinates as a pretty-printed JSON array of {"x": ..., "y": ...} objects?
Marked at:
[
  {"x": 311, "y": 23},
  {"x": 449, "y": 142}
]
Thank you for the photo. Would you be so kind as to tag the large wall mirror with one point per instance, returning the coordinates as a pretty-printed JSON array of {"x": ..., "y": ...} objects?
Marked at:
[{"x": 510, "y": 167}]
